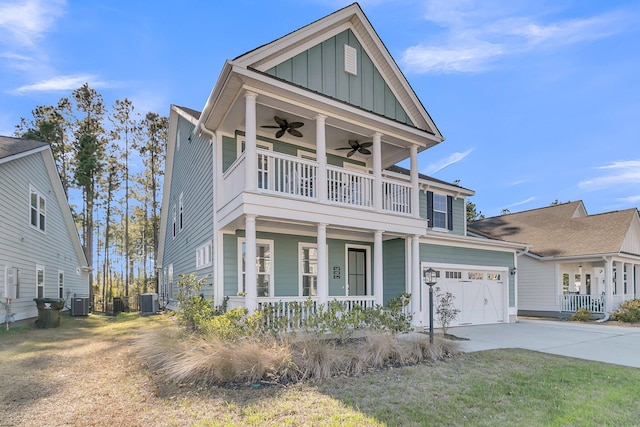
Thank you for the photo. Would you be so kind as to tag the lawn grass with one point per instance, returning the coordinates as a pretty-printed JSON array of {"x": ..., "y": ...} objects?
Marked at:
[{"x": 86, "y": 372}]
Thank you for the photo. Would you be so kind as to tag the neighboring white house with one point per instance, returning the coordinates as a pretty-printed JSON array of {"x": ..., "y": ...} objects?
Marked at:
[
  {"x": 575, "y": 259},
  {"x": 292, "y": 164},
  {"x": 40, "y": 251}
]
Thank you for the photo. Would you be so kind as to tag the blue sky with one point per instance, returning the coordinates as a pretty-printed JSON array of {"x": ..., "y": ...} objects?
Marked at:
[{"x": 538, "y": 100}]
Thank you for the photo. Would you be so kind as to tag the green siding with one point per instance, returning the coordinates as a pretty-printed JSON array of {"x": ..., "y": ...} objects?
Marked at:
[
  {"x": 321, "y": 68},
  {"x": 230, "y": 260},
  {"x": 394, "y": 268},
  {"x": 229, "y": 152},
  {"x": 466, "y": 256},
  {"x": 459, "y": 212},
  {"x": 191, "y": 176}
]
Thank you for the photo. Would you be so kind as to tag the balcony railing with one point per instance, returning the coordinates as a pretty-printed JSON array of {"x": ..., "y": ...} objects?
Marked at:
[
  {"x": 572, "y": 302},
  {"x": 292, "y": 176}
]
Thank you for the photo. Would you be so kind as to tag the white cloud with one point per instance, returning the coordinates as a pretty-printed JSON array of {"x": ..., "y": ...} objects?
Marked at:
[
  {"x": 630, "y": 200},
  {"x": 63, "y": 83},
  {"x": 24, "y": 22},
  {"x": 448, "y": 161},
  {"x": 618, "y": 173},
  {"x": 523, "y": 202},
  {"x": 473, "y": 36}
]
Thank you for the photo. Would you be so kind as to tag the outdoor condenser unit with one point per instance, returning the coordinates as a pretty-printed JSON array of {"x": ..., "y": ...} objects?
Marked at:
[
  {"x": 80, "y": 306},
  {"x": 149, "y": 304}
]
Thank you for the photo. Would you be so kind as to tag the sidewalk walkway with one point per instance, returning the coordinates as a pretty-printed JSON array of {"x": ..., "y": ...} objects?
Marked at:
[{"x": 599, "y": 342}]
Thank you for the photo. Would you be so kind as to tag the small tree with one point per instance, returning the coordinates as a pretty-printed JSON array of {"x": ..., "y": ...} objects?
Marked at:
[
  {"x": 445, "y": 310},
  {"x": 193, "y": 307}
]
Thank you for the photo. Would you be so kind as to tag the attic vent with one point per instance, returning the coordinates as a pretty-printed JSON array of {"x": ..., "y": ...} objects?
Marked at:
[{"x": 350, "y": 60}]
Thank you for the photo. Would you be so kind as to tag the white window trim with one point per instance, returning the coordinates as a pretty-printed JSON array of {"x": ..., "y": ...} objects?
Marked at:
[
  {"x": 263, "y": 145},
  {"x": 170, "y": 282},
  {"x": 181, "y": 212},
  {"x": 15, "y": 282},
  {"x": 301, "y": 246},
  {"x": 346, "y": 268},
  {"x": 40, "y": 197},
  {"x": 307, "y": 155},
  {"x": 61, "y": 286},
  {"x": 38, "y": 268},
  {"x": 446, "y": 214},
  {"x": 241, "y": 241},
  {"x": 202, "y": 260},
  {"x": 175, "y": 224}
]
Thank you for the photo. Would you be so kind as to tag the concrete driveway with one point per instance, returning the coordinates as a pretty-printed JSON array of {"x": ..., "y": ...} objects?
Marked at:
[{"x": 600, "y": 342}]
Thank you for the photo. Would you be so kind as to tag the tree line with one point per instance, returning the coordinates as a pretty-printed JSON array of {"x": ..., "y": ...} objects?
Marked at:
[{"x": 111, "y": 162}]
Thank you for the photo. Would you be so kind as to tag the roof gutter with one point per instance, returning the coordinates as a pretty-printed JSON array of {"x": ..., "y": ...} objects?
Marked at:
[{"x": 213, "y": 98}]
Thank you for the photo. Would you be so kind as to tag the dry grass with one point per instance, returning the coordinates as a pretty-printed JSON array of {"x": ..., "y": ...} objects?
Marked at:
[
  {"x": 207, "y": 360},
  {"x": 85, "y": 373}
]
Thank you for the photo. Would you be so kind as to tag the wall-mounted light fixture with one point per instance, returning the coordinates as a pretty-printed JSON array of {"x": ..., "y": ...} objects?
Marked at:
[{"x": 513, "y": 271}]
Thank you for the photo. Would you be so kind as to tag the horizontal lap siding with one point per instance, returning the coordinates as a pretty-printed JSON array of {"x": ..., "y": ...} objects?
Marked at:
[
  {"x": 192, "y": 175},
  {"x": 23, "y": 246},
  {"x": 467, "y": 256},
  {"x": 537, "y": 286}
]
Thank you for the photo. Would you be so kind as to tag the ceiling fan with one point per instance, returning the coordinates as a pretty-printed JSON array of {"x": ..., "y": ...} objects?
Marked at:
[
  {"x": 285, "y": 126},
  {"x": 354, "y": 146}
]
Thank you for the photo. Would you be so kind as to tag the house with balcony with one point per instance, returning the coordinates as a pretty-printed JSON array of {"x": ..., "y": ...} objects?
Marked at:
[
  {"x": 40, "y": 251},
  {"x": 575, "y": 260},
  {"x": 292, "y": 164}
]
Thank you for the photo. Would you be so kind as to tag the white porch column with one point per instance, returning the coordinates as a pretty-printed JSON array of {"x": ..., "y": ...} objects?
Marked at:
[
  {"x": 633, "y": 281},
  {"x": 415, "y": 188},
  {"x": 250, "y": 273},
  {"x": 321, "y": 158},
  {"x": 415, "y": 276},
  {"x": 323, "y": 265},
  {"x": 378, "y": 284},
  {"x": 608, "y": 284},
  {"x": 621, "y": 279},
  {"x": 377, "y": 171},
  {"x": 251, "y": 158}
]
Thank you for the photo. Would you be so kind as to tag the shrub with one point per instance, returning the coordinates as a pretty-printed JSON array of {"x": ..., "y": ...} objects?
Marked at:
[
  {"x": 628, "y": 312},
  {"x": 581, "y": 315},
  {"x": 194, "y": 309}
]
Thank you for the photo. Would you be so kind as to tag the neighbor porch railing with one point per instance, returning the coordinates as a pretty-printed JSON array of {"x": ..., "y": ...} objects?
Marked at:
[
  {"x": 572, "y": 302},
  {"x": 349, "y": 187}
]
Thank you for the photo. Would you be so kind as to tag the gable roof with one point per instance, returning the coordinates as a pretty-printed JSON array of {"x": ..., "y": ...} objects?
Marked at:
[
  {"x": 351, "y": 18},
  {"x": 14, "y": 148},
  {"x": 10, "y": 147},
  {"x": 563, "y": 230}
]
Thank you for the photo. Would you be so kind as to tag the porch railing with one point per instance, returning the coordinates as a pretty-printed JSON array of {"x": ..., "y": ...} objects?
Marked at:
[
  {"x": 396, "y": 196},
  {"x": 573, "y": 302},
  {"x": 293, "y": 311},
  {"x": 349, "y": 187},
  {"x": 286, "y": 174}
]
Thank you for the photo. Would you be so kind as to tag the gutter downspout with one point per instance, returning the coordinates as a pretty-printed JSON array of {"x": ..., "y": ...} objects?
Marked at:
[
  {"x": 515, "y": 284},
  {"x": 214, "y": 241}
]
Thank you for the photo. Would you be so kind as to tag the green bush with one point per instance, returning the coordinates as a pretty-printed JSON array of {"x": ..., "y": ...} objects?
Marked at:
[
  {"x": 581, "y": 315},
  {"x": 628, "y": 312}
]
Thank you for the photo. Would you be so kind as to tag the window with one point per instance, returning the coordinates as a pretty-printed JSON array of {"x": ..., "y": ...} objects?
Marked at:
[
  {"x": 439, "y": 211},
  {"x": 37, "y": 209},
  {"x": 565, "y": 283},
  {"x": 174, "y": 221},
  {"x": 12, "y": 283},
  {"x": 475, "y": 275},
  {"x": 264, "y": 268},
  {"x": 494, "y": 276},
  {"x": 308, "y": 268},
  {"x": 453, "y": 274},
  {"x": 181, "y": 211},
  {"x": 60, "y": 284},
  {"x": 203, "y": 256},
  {"x": 170, "y": 281},
  {"x": 39, "y": 281}
]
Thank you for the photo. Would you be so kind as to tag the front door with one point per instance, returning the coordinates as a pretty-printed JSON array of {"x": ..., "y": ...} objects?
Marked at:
[{"x": 357, "y": 271}]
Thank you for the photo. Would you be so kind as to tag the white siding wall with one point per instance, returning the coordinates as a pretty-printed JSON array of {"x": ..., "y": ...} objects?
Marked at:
[
  {"x": 24, "y": 247},
  {"x": 537, "y": 287}
]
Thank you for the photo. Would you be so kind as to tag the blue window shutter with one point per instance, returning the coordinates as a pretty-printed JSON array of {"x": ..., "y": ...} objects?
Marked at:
[
  {"x": 450, "y": 212},
  {"x": 430, "y": 208}
]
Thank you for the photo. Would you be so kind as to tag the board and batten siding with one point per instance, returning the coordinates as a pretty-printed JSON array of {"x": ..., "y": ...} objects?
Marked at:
[
  {"x": 192, "y": 177},
  {"x": 286, "y": 275},
  {"x": 24, "y": 246},
  {"x": 439, "y": 254},
  {"x": 537, "y": 285},
  {"x": 321, "y": 69}
]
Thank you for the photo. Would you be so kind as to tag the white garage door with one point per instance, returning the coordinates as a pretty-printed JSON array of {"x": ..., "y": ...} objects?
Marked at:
[{"x": 478, "y": 294}]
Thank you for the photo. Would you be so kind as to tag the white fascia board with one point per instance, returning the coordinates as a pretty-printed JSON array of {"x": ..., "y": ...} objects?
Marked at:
[
  {"x": 214, "y": 95},
  {"x": 472, "y": 242}
]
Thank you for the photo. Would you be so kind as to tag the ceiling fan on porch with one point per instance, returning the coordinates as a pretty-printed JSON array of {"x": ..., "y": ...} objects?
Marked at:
[
  {"x": 285, "y": 126},
  {"x": 355, "y": 145}
]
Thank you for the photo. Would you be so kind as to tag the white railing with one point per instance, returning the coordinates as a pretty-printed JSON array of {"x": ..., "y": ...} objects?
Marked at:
[
  {"x": 234, "y": 180},
  {"x": 281, "y": 173},
  {"x": 574, "y": 302},
  {"x": 296, "y": 309},
  {"x": 396, "y": 197},
  {"x": 349, "y": 187}
]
